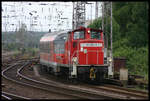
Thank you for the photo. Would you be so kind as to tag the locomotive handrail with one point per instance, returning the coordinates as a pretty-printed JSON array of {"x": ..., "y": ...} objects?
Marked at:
[{"x": 74, "y": 54}]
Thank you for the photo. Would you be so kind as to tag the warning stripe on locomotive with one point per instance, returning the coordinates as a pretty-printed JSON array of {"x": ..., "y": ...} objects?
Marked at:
[{"x": 91, "y": 44}]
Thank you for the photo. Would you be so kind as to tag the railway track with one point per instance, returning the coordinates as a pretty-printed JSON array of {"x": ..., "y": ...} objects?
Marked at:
[
  {"x": 131, "y": 91},
  {"x": 12, "y": 77},
  {"x": 9, "y": 59},
  {"x": 10, "y": 96},
  {"x": 79, "y": 92},
  {"x": 12, "y": 73},
  {"x": 127, "y": 93},
  {"x": 109, "y": 90}
]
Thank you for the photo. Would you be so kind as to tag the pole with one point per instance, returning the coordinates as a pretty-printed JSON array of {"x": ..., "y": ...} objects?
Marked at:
[
  {"x": 73, "y": 18},
  {"x": 103, "y": 16},
  {"x": 96, "y": 10},
  {"x": 91, "y": 13},
  {"x": 111, "y": 42},
  {"x": 78, "y": 14},
  {"x": 111, "y": 29}
]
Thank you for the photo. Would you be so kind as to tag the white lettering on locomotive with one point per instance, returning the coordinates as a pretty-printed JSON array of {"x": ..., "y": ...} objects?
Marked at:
[{"x": 91, "y": 44}]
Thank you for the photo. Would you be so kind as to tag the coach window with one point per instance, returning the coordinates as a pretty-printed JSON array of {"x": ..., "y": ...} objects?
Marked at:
[
  {"x": 41, "y": 46},
  {"x": 59, "y": 47},
  {"x": 79, "y": 34},
  {"x": 49, "y": 47},
  {"x": 46, "y": 47}
]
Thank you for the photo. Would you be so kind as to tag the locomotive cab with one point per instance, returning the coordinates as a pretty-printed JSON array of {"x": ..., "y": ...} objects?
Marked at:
[{"x": 87, "y": 49}]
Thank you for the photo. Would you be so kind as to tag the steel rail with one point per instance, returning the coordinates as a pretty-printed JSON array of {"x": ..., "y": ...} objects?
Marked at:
[
  {"x": 11, "y": 96},
  {"x": 122, "y": 91},
  {"x": 127, "y": 89},
  {"x": 6, "y": 97}
]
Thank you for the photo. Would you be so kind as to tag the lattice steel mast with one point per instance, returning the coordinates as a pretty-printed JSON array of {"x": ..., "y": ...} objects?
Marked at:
[
  {"x": 96, "y": 10},
  {"x": 78, "y": 14}
]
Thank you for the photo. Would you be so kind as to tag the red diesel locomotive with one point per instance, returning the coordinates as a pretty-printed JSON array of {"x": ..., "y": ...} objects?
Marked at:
[{"x": 78, "y": 53}]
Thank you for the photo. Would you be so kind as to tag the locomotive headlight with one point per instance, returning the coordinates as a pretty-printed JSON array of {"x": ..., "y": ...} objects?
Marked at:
[
  {"x": 74, "y": 59},
  {"x": 88, "y": 31},
  {"x": 110, "y": 59}
]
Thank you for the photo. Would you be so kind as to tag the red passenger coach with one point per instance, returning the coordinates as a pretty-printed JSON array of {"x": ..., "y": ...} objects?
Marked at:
[{"x": 78, "y": 53}]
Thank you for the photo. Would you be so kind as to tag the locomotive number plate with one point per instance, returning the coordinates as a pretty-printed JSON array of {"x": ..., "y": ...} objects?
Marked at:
[{"x": 91, "y": 44}]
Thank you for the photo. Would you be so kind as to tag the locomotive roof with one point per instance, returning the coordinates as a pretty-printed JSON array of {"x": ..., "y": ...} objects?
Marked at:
[{"x": 54, "y": 35}]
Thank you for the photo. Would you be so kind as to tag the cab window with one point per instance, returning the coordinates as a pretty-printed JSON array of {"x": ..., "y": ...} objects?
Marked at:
[
  {"x": 78, "y": 35},
  {"x": 95, "y": 35}
]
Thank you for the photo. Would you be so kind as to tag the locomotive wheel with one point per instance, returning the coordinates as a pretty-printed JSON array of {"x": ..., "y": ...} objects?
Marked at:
[
  {"x": 73, "y": 80},
  {"x": 42, "y": 68},
  {"x": 56, "y": 74},
  {"x": 100, "y": 78}
]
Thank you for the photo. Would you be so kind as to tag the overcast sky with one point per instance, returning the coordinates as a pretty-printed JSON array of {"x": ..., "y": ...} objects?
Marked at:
[{"x": 42, "y": 15}]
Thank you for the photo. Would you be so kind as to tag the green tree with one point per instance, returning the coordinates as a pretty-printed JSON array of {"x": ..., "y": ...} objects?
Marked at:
[{"x": 133, "y": 20}]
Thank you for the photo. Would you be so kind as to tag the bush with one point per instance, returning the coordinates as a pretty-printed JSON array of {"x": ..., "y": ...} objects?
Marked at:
[
  {"x": 139, "y": 61},
  {"x": 32, "y": 51},
  {"x": 137, "y": 58}
]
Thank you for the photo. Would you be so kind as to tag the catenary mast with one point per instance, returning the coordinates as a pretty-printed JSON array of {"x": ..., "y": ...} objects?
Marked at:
[{"x": 78, "y": 14}]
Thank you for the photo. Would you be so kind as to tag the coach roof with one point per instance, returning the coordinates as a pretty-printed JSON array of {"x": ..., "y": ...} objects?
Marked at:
[{"x": 52, "y": 36}]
